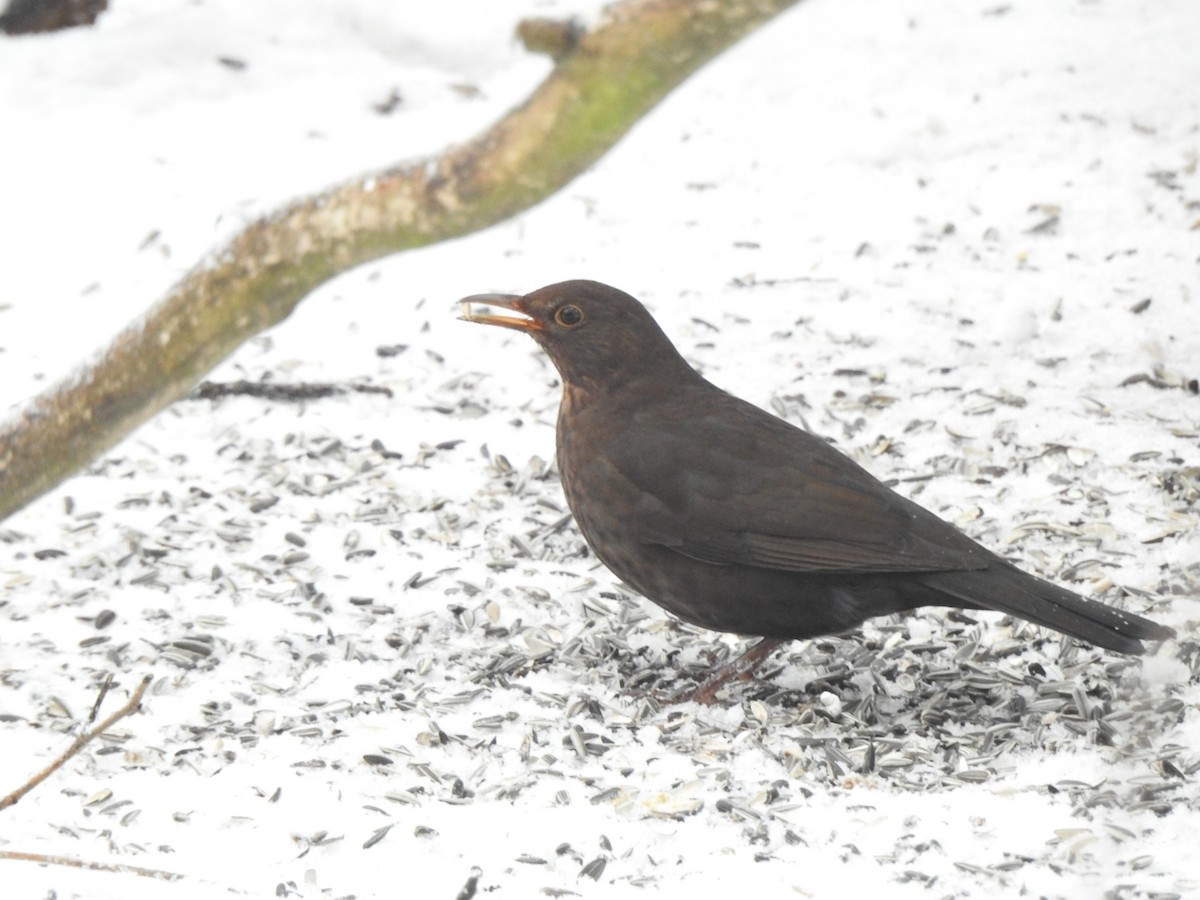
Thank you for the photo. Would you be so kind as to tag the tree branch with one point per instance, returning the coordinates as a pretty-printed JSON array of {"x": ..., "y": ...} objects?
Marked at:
[{"x": 607, "y": 80}]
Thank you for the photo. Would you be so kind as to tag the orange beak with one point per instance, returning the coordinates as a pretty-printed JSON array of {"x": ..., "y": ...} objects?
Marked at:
[{"x": 475, "y": 309}]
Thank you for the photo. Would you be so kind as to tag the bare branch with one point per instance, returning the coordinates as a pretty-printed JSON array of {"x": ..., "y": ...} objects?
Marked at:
[
  {"x": 79, "y": 743},
  {"x": 55, "y": 860}
]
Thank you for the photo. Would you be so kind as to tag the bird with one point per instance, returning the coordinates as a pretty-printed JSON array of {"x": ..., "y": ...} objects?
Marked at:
[{"x": 733, "y": 519}]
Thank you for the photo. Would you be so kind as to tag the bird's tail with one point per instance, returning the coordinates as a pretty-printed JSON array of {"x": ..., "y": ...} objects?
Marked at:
[{"x": 1010, "y": 590}]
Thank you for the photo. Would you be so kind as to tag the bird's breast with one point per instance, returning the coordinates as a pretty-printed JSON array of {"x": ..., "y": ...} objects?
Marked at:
[{"x": 600, "y": 499}]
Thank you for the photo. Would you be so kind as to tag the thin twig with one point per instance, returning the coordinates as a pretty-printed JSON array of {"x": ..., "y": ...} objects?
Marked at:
[
  {"x": 103, "y": 692},
  {"x": 294, "y": 392},
  {"x": 78, "y": 744},
  {"x": 52, "y": 859}
]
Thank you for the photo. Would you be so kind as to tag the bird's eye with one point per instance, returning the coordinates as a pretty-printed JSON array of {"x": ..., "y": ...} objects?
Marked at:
[{"x": 568, "y": 316}]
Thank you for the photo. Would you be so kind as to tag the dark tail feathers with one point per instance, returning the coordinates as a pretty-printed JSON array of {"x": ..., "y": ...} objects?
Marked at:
[{"x": 1006, "y": 588}]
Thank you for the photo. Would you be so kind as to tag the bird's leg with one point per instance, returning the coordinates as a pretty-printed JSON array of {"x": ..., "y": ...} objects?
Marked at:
[{"x": 741, "y": 668}]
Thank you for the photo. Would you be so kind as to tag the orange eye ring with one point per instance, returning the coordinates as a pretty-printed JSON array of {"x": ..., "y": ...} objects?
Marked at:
[{"x": 568, "y": 316}]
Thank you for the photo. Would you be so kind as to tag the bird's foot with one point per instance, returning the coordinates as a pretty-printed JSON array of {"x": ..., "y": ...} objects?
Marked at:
[{"x": 740, "y": 669}]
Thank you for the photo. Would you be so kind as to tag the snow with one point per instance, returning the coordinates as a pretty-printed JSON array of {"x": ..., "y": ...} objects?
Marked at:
[{"x": 838, "y": 220}]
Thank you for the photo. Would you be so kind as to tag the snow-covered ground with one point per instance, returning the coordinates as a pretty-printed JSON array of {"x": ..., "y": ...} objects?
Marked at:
[{"x": 945, "y": 234}]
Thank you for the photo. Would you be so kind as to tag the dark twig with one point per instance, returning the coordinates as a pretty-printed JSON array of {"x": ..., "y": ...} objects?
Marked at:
[
  {"x": 100, "y": 698},
  {"x": 266, "y": 390}
]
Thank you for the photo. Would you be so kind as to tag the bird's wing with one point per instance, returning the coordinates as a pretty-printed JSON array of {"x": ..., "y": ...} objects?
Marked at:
[{"x": 727, "y": 483}]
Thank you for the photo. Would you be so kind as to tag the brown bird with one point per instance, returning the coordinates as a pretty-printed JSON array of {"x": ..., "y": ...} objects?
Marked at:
[{"x": 735, "y": 520}]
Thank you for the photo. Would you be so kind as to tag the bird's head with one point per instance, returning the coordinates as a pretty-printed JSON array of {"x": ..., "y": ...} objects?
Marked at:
[{"x": 597, "y": 336}]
